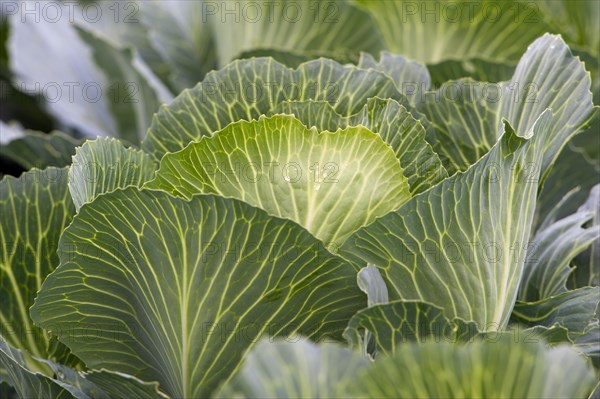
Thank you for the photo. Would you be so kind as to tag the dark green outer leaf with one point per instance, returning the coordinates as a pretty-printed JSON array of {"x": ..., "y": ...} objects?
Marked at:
[
  {"x": 30, "y": 384},
  {"x": 573, "y": 310},
  {"x": 547, "y": 266},
  {"x": 578, "y": 165},
  {"x": 396, "y": 323},
  {"x": 461, "y": 245},
  {"x": 177, "y": 291},
  {"x": 35, "y": 209},
  {"x": 587, "y": 271}
]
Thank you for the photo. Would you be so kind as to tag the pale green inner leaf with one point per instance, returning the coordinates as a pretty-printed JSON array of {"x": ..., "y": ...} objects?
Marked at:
[{"x": 330, "y": 183}]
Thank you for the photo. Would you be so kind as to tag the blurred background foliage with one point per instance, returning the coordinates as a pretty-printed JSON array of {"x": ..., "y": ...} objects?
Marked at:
[{"x": 142, "y": 54}]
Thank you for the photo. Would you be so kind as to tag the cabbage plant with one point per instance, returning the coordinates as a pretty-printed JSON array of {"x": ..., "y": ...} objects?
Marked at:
[{"x": 294, "y": 228}]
